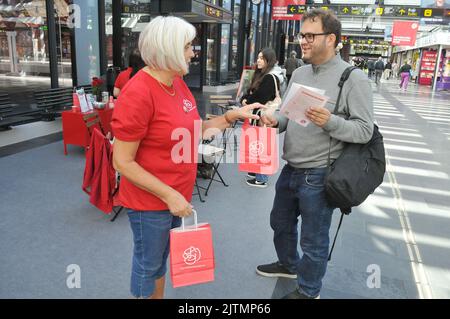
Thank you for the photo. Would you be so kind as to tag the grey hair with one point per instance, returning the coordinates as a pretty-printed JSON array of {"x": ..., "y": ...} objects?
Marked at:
[{"x": 162, "y": 43}]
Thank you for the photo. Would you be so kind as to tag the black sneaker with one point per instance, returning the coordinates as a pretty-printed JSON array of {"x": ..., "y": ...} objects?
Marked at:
[
  {"x": 275, "y": 270},
  {"x": 296, "y": 294},
  {"x": 253, "y": 182},
  {"x": 251, "y": 175}
]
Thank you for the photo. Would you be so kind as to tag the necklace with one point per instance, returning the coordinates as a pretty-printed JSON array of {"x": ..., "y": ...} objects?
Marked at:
[
  {"x": 166, "y": 90},
  {"x": 160, "y": 84}
]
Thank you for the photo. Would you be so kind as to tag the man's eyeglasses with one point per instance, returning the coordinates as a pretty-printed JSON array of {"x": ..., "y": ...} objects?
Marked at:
[{"x": 309, "y": 37}]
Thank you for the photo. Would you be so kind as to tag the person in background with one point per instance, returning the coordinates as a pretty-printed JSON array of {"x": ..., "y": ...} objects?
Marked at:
[
  {"x": 262, "y": 90},
  {"x": 371, "y": 68},
  {"x": 379, "y": 68},
  {"x": 405, "y": 73},
  {"x": 395, "y": 70},
  {"x": 291, "y": 64},
  {"x": 387, "y": 70},
  {"x": 155, "y": 120},
  {"x": 135, "y": 63}
]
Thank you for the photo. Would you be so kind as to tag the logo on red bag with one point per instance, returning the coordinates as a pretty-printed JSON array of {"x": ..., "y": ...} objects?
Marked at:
[
  {"x": 191, "y": 255},
  {"x": 256, "y": 148}
]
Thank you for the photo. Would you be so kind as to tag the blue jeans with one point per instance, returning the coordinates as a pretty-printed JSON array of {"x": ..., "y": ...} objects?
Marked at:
[
  {"x": 151, "y": 248},
  {"x": 300, "y": 192},
  {"x": 262, "y": 178}
]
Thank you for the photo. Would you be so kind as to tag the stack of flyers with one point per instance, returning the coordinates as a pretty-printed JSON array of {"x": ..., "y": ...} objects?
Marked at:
[{"x": 299, "y": 99}]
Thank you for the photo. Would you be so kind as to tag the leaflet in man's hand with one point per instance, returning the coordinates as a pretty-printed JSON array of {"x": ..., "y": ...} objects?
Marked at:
[{"x": 299, "y": 99}]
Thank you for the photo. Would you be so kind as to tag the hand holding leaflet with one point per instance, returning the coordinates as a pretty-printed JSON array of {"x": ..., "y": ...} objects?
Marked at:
[{"x": 299, "y": 99}]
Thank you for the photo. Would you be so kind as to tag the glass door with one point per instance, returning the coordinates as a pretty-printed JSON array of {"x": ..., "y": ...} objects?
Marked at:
[
  {"x": 63, "y": 43},
  {"x": 193, "y": 79}
]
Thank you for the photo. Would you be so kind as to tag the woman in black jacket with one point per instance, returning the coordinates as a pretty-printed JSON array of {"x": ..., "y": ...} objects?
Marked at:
[{"x": 262, "y": 90}]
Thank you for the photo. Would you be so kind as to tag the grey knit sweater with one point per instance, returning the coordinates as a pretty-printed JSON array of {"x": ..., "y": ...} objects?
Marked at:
[{"x": 307, "y": 147}]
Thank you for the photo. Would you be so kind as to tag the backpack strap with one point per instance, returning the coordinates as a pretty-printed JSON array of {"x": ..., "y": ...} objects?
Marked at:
[
  {"x": 344, "y": 211},
  {"x": 344, "y": 77}
]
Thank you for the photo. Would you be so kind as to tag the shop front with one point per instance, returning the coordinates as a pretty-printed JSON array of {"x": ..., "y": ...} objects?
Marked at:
[{"x": 431, "y": 57}]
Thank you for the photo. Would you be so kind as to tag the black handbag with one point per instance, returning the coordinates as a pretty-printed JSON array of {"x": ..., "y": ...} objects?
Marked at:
[{"x": 357, "y": 172}]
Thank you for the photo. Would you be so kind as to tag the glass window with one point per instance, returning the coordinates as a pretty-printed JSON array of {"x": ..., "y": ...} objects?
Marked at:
[
  {"x": 252, "y": 37},
  {"x": 236, "y": 31},
  {"x": 87, "y": 42},
  {"x": 211, "y": 54},
  {"x": 109, "y": 31},
  {"x": 193, "y": 78},
  {"x": 226, "y": 4},
  {"x": 225, "y": 46},
  {"x": 63, "y": 42},
  {"x": 24, "y": 46},
  {"x": 135, "y": 16}
]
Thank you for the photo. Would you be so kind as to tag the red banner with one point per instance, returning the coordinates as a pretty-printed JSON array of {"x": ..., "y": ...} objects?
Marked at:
[
  {"x": 404, "y": 33},
  {"x": 280, "y": 9}
]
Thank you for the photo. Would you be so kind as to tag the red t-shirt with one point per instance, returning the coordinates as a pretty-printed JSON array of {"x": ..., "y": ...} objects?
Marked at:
[
  {"x": 163, "y": 124},
  {"x": 123, "y": 78}
]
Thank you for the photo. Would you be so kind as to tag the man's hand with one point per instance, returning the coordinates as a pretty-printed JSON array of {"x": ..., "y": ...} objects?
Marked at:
[
  {"x": 268, "y": 120},
  {"x": 318, "y": 115}
]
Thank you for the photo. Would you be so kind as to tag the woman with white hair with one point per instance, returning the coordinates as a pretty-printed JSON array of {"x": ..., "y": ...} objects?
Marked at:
[{"x": 155, "y": 114}]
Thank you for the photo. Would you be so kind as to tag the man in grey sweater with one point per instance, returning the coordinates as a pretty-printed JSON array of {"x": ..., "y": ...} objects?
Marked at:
[{"x": 300, "y": 187}]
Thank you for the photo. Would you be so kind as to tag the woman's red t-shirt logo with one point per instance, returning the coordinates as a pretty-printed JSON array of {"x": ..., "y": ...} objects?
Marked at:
[{"x": 188, "y": 106}]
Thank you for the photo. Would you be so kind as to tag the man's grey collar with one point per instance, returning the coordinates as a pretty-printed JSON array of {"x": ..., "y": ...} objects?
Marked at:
[{"x": 327, "y": 65}]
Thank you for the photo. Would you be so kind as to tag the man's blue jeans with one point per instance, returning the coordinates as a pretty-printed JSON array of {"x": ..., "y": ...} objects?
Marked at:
[{"x": 300, "y": 192}]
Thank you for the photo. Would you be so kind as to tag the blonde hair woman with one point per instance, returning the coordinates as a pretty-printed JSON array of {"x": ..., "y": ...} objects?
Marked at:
[{"x": 155, "y": 187}]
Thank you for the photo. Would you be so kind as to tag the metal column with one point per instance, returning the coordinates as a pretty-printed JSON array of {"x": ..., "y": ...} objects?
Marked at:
[{"x": 52, "y": 48}]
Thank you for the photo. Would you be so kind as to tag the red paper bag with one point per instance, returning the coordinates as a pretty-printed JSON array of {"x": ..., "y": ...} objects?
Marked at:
[
  {"x": 191, "y": 255},
  {"x": 258, "y": 150}
]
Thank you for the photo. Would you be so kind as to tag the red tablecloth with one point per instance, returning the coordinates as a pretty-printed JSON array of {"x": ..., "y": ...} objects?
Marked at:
[{"x": 75, "y": 131}]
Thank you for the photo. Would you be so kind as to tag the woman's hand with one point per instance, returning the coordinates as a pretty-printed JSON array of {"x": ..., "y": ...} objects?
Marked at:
[
  {"x": 178, "y": 206},
  {"x": 245, "y": 112}
]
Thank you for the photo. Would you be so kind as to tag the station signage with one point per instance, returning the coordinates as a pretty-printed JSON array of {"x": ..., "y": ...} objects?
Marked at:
[
  {"x": 367, "y": 10},
  {"x": 287, "y": 9},
  {"x": 213, "y": 12}
]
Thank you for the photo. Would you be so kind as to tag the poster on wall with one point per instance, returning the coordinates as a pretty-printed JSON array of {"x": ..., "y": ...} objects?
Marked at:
[
  {"x": 427, "y": 67},
  {"x": 280, "y": 9},
  {"x": 404, "y": 33}
]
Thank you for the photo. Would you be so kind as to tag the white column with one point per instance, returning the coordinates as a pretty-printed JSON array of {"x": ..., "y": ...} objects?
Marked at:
[
  {"x": 14, "y": 63},
  {"x": 436, "y": 70}
]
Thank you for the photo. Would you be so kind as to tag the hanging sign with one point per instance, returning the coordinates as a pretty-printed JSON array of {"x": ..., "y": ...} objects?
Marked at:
[
  {"x": 404, "y": 33},
  {"x": 280, "y": 9}
]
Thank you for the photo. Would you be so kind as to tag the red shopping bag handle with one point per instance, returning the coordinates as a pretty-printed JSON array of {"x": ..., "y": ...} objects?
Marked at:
[{"x": 195, "y": 220}]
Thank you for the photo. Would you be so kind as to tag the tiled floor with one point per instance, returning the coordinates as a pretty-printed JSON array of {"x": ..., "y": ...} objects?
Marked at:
[{"x": 400, "y": 235}]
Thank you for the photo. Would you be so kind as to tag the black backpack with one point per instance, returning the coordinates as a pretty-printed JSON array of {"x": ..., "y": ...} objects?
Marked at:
[{"x": 357, "y": 172}]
